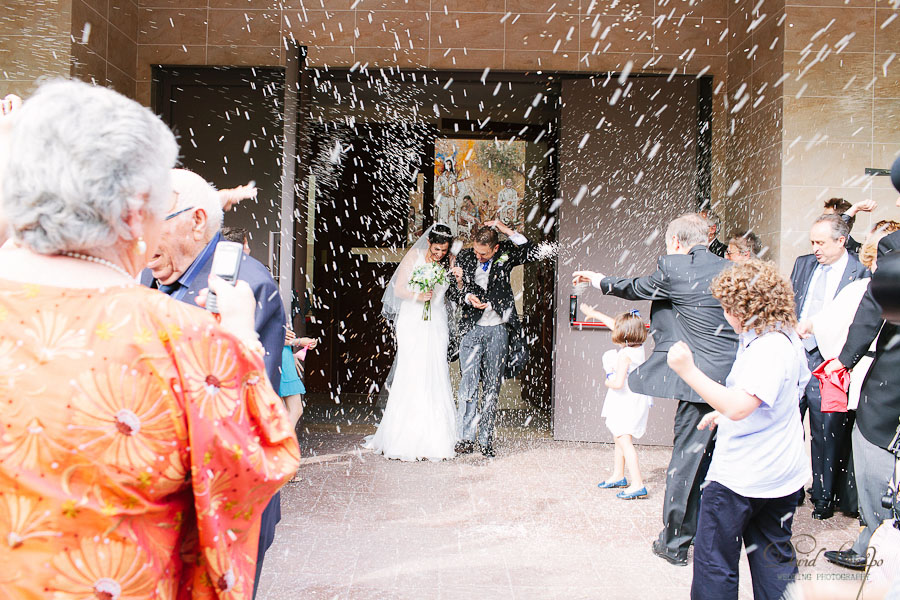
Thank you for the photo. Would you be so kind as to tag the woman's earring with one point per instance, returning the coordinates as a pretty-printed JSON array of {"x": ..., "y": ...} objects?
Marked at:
[{"x": 141, "y": 246}]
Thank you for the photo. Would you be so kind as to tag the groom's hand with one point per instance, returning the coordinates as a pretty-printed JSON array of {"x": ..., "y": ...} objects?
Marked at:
[
  {"x": 474, "y": 301},
  {"x": 458, "y": 273},
  {"x": 501, "y": 226}
]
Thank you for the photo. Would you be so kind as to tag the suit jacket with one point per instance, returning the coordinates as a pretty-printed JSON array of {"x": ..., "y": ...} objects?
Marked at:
[
  {"x": 851, "y": 244},
  {"x": 879, "y": 402},
  {"x": 682, "y": 309},
  {"x": 269, "y": 319},
  {"x": 805, "y": 266},
  {"x": 718, "y": 248},
  {"x": 499, "y": 291}
]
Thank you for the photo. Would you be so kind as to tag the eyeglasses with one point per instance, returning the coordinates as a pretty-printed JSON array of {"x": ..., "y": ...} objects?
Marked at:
[{"x": 178, "y": 212}]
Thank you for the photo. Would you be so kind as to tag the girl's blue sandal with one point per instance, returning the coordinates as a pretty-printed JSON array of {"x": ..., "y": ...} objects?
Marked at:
[
  {"x": 613, "y": 484},
  {"x": 635, "y": 495}
]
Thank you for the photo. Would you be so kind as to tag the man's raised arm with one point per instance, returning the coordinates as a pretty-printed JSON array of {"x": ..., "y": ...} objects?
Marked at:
[{"x": 649, "y": 287}]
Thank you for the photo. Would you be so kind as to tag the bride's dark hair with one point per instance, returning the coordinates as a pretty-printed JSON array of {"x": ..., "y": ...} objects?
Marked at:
[{"x": 441, "y": 234}]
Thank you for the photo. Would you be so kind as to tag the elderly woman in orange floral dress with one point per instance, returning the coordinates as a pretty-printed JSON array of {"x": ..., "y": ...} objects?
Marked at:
[{"x": 139, "y": 438}]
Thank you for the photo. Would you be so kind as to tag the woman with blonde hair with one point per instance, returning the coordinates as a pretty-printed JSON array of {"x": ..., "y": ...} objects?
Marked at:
[{"x": 141, "y": 437}]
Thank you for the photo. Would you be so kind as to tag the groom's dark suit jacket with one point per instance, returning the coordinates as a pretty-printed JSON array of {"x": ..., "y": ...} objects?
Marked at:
[
  {"x": 499, "y": 292},
  {"x": 682, "y": 309},
  {"x": 500, "y": 296}
]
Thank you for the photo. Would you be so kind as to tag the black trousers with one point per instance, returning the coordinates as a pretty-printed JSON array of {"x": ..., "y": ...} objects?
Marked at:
[
  {"x": 691, "y": 453},
  {"x": 270, "y": 517},
  {"x": 763, "y": 525},
  {"x": 829, "y": 443}
]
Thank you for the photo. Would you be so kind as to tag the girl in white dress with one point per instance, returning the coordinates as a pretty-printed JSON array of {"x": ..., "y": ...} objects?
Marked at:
[
  {"x": 419, "y": 421},
  {"x": 625, "y": 411}
]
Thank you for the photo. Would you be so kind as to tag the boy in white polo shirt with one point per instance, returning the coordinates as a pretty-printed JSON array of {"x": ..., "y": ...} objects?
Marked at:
[{"x": 759, "y": 465}]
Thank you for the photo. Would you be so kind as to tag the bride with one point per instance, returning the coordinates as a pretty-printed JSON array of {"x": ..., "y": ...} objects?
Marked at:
[{"x": 419, "y": 421}]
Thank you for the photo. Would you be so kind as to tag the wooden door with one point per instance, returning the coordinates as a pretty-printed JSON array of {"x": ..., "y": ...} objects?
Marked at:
[{"x": 362, "y": 202}]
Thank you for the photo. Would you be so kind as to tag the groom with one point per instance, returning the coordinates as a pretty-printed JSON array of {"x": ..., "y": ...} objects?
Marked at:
[{"x": 489, "y": 323}]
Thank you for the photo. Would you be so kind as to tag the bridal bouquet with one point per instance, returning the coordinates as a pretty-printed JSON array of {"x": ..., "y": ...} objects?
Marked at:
[{"x": 424, "y": 279}]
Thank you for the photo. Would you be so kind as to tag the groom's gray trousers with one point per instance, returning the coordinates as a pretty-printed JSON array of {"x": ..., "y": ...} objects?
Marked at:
[{"x": 482, "y": 353}]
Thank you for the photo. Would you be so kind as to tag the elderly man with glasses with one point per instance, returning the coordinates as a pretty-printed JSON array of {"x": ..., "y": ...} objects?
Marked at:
[{"x": 181, "y": 266}]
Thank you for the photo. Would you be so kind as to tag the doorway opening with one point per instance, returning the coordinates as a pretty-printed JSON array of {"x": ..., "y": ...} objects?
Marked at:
[{"x": 391, "y": 152}]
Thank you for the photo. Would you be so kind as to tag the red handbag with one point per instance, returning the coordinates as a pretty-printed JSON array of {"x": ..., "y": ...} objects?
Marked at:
[{"x": 834, "y": 387}]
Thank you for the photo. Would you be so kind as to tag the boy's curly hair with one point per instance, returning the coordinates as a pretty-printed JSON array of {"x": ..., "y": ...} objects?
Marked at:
[{"x": 756, "y": 293}]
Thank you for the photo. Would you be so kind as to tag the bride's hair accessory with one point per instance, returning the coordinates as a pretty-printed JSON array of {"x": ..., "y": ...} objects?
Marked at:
[{"x": 440, "y": 234}]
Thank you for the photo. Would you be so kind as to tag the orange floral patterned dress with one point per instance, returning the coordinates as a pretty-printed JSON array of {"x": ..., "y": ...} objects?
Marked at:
[{"x": 139, "y": 445}]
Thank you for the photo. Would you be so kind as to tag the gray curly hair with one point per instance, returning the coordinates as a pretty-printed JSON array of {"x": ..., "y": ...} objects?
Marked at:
[{"x": 82, "y": 157}]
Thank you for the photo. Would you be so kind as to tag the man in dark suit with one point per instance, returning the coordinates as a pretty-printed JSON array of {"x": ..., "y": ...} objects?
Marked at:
[
  {"x": 878, "y": 413},
  {"x": 816, "y": 279},
  {"x": 682, "y": 308},
  {"x": 181, "y": 268},
  {"x": 491, "y": 348}
]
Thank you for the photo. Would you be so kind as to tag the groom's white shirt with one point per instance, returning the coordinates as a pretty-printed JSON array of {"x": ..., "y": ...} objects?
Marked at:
[{"x": 490, "y": 317}]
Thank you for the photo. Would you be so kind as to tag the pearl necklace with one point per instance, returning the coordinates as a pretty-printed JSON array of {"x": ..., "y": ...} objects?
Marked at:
[{"x": 100, "y": 261}]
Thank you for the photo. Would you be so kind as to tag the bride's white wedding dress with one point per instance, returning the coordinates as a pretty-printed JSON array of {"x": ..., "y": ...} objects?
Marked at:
[{"x": 419, "y": 421}]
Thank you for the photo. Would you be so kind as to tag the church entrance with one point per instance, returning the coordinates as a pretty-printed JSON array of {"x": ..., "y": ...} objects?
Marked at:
[{"x": 391, "y": 152}]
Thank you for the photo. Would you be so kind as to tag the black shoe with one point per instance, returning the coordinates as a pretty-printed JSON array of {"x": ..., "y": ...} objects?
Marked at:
[
  {"x": 820, "y": 513},
  {"x": 660, "y": 551},
  {"x": 846, "y": 558},
  {"x": 802, "y": 498},
  {"x": 465, "y": 447},
  {"x": 487, "y": 451}
]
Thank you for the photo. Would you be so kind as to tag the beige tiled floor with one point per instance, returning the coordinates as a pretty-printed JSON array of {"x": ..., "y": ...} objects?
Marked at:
[{"x": 528, "y": 524}]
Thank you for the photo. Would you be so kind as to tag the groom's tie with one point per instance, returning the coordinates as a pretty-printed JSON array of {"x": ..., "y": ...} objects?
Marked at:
[{"x": 485, "y": 265}]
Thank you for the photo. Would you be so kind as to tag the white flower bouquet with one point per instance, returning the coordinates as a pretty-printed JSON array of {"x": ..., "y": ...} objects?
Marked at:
[{"x": 424, "y": 279}]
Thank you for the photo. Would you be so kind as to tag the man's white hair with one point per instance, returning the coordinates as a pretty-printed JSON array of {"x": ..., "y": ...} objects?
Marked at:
[
  {"x": 690, "y": 230},
  {"x": 196, "y": 192},
  {"x": 80, "y": 159}
]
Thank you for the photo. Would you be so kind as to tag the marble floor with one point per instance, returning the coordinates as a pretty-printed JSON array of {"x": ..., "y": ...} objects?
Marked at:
[{"x": 529, "y": 523}]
